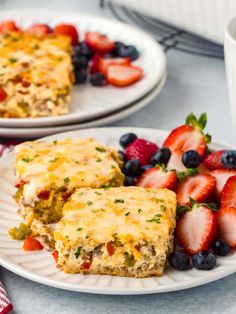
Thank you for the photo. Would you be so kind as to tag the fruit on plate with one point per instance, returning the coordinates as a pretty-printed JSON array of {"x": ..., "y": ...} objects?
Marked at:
[
  {"x": 196, "y": 229},
  {"x": 204, "y": 260},
  {"x": 105, "y": 62},
  {"x": 141, "y": 150},
  {"x": 226, "y": 225},
  {"x": 126, "y": 139},
  {"x": 191, "y": 159},
  {"x": 222, "y": 175},
  {"x": 199, "y": 187},
  {"x": 162, "y": 156},
  {"x": 220, "y": 247},
  {"x": 126, "y": 51},
  {"x": 132, "y": 168},
  {"x": 189, "y": 136},
  {"x": 39, "y": 29},
  {"x": 99, "y": 42},
  {"x": 157, "y": 177},
  {"x": 228, "y": 195},
  {"x": 67, "y": 30},
  {"x": 98, "y": 79},
  {"x": 179, "y": 260},
  {"x": 221, "y": 159},
  {"x": 8, "y": 26},
  {"x": 123, "y": 75}
]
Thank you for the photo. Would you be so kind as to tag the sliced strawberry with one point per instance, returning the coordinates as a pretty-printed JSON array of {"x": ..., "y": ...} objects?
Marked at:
[
  {"x": 157, "y": 178},
  {"x": 123, "y": 75},
  {"x": 222, "y": 175},
  {"x": 226, "y": 225},
  {"x": 199, "y": 187},
  {"x": 39, "y": 29},
  {"x": 8, "y": 26},
  {"x": 67, "y": 30},
  {"x": 184, "y": 138},
  {"x": 99, "y": 42},
  {"x": 94, "y": 67},
  {"x": 3, "y": 94},
  {"x": 142, "y": 150},
  {"x": 213, "y": 161},
  {"x": 175, "y": 162},
  {"x": 196, "y": 229},
  {"x": 228, "y": 195},
  {"x": 104, "y": 63}
]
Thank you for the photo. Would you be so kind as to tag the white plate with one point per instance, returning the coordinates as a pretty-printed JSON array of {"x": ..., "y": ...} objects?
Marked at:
[
  {"x": 43, "y": 131},
  {"x": 40, "y": 267},
  {"x": 90, "y": 102}
]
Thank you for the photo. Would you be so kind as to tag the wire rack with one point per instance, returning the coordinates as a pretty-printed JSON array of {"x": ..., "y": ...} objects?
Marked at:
[{"x": 167, "y": 35}]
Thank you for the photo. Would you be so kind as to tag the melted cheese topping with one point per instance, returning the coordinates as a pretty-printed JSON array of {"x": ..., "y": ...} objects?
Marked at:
[
  {"x": 131, "y": 214},
  {"x": 70, "y": 163}
]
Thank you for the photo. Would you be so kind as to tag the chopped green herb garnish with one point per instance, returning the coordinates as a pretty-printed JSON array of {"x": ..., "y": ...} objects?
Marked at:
[
  {"x": 26, "y": 159},
  {"x": 155, "y": 219},
  {"x": 55, "y": 142},
  {"x": 106, "y": 186},
  {"x": 66, "y": 180},
  {"x": 127, "y": 214},
  {"x": 101, "y": 149},
  {"x": 36, "y": 46},
  {"x": 87, "y": 236},
  {"x": 13, "y": 60},
  {"x": 89, "y": 203},
  {"x": 117, "y": 200},
  {"x": 117, "y": 242},
  {"x": 129, "y": 260},
  {"x": 54, "y": 160},
  {"x": 99, "y": 160},
  {"x": 78, "y": 251},
  {"x": 79, "y": 229},
  {"x": 140, "y": 210},
  {"x": 113, "y": 167},
  {"x": 2, "y": 74},
  {"x": 160, "y": 200},
  {"x": 98, "y": 193},
  {"x": 163, "y": 208}
]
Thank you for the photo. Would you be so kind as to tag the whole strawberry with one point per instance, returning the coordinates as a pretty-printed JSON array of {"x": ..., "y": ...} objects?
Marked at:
[{"x": 141, "y": 150}]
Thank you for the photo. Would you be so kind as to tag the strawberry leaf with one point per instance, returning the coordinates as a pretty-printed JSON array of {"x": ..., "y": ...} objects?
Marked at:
[
  {"x": 188, "y": 173},
  {"x": 207, "y": 138},
  {"x": 181, "y": 209},
  {"x": 211, "y": 206},
  {"x": 202, "y": 121}
]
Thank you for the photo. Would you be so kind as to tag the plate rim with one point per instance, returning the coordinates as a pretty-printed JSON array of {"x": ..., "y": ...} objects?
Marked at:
[
  {"x": 192, "y": 282},
  {"x": 73, "y": 118}
]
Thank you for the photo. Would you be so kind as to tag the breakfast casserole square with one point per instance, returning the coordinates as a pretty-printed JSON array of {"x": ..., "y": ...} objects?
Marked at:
[
  {"x": 47, "y": 173},
  {"x": 124, "y": 231},
  {"x": 36, "y": 75}
]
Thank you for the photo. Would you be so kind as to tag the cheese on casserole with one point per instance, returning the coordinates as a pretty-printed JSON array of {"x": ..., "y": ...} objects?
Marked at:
[
  {"x": 125, "y": 231},
  {"x": 48, "y": 172},
  {"x": 36, "y": 73}
]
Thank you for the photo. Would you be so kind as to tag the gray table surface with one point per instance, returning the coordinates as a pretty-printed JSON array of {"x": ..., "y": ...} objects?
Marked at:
[{"x": 194, "y": 84}]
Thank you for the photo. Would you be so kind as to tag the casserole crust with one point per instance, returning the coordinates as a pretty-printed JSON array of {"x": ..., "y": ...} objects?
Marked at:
[
  {"x": 36, "y": 75},
  {"x": 124, "y": 231},
  {"x": 47, "y": 173}
]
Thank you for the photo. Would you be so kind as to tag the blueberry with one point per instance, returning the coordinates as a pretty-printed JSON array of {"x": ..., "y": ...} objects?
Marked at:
[
  {"x": 84, "y": 50},
  {"x": 179, "y": 260},
  {"x": 204, "y": 260},
  {"x": 122, "y": 155},
  {"x": 220, "y": 247},
  {"x": 132, "y": 168},
  {"x": 146, "y": 167},
  {"x": 162, "y": 156},
  {"x": 129, "y": 181},
  {"x": 118, "y": 45},
  {"x": 191, "y": 159},
  {"x": 126, "y": 139},
  {"x": 128, "y": 52},
  {"x": 80, "y": 76},
  {"x": 228, "y": 159},
  {"x": 97, "y": 79},
  {"x": 80, "y": 62}
]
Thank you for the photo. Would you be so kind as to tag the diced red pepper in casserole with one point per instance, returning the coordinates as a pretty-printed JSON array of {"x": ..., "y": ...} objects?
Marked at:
[
  {"x": 55, "y": 255},
  {"x": 110, "y": 248},
  {"x": 3, "y": 94},
  {"x": 44, "y": 195},
  {"x": 86, "y": 265},
  {"x": 32, "y": 244}
]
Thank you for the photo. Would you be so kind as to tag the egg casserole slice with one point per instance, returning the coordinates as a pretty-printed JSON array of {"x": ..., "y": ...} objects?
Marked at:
[
  {"x": 124, "y": 231},
  {"x": 47, "y": 173},
  {"x": 36, "y": 75}
]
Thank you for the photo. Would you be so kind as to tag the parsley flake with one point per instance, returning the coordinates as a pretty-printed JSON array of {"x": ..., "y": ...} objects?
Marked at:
[
  {"x": 129, "y": 260},
  {"x": 79, "y": 229},
  {"x": 99, "y": 160},
  {"x": 13, "y": 60},
  {"x": 26, "y": 159},
  {"x": 155, "y": 219},
  {"x": 54, "y": 160},
  {"x": 78, "y": 251},
  {"x": 55, "y": 142},
  {"x": 98, "y": 193},
  {"x": 163, "y": 208},
  {"x": 89, "y": 203},
  {"x": 127, "y": 214},
  {"x": 140, "y": 210},
  {"x": 100, "y": 149},
  {"x": 66, "y": 180},
  {"x": 117, "y": 200}
]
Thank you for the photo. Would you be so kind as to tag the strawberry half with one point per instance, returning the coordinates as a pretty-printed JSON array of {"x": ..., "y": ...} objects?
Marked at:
[
  {"x": 175, "y": 162},
  {"x": 213, "y": 161},
  {"x": 99, "y": 42},
  {"x": 196, "y": 229},
  {"x": 123, "y": 75},
  {"x": 104, "y": 63},
  {"x": 228, "y": 195},
  {"x": 94, "y": 67},
  {"x": 226, "y": 225},
  {"x": 154, "y": 178},
  {"x": 222, "y": 175},
  {"x": 141, "y": 150},
  {"x": 8, "y": 26},
  {"x": 39, "y": 29},
  {"x": 67, "y": 30},
  {"x": 199, "y": 187}
]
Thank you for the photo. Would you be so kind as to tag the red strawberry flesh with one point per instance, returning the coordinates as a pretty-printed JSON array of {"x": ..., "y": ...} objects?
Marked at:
[
  {"x": 67, "y": 30},
  {"x": 226, "y": 225},
  {"x": 228, "y": 195},
  {"x": 99, "y": 42},
  {"x": 123, "y": 75},
  {"x": 196, "y": 230},
  {"x": 199, "y": 187},
  {"x": 222, "y": 175},
  {"x": 213, "y": 161}
]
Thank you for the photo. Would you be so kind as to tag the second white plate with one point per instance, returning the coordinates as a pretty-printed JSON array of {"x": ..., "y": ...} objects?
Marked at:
[{"x": 90, "y": 102}]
